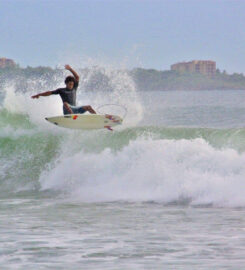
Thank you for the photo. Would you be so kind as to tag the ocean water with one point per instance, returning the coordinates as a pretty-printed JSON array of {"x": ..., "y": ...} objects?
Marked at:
[{"x": 166, "y": 190}]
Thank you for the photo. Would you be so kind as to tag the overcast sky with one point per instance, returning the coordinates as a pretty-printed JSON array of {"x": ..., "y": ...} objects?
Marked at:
[{"x": 129, "y": 33}]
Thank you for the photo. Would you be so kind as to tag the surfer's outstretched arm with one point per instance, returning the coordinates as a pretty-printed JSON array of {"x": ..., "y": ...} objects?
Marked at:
[
  {"x": 44, "y": 94},
  {"x": 68, "y": 67}
]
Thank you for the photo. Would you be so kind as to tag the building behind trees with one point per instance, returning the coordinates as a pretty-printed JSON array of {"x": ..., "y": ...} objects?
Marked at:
[
  {"x": 5, "y": 62},
  {"x": 205, "y": 67}
]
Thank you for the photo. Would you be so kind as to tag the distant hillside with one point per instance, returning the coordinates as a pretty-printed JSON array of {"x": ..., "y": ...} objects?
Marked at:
[
  {"x": 150, "y": 79},
  {"x": 42, "y": 78},
  {"x": 28, "y": 78}
]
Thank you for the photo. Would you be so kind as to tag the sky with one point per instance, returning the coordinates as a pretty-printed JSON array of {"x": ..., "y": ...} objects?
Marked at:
[{"x": 123, "y": 33}]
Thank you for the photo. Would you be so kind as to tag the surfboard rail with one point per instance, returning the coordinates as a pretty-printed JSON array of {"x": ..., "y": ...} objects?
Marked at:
[{"x": 86, "y": 121}]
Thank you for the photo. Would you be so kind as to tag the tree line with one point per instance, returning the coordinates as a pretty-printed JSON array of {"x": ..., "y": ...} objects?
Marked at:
[{"x": 145, "y": 79}]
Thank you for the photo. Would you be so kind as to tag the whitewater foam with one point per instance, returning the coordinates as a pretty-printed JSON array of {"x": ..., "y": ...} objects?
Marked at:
[
  {"x": 160, "y": 164},
  {"x": 152, "y": 170}
]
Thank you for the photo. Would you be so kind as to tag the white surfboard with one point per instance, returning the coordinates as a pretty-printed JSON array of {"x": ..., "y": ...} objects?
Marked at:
[{"x": 86, "y": 121}]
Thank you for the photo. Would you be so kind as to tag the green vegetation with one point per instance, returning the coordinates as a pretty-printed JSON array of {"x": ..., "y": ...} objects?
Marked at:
[
  {"x": 151, "y": 79},
  {"x": 43, "y": 78},
  {"x": 29, "y": 77}
]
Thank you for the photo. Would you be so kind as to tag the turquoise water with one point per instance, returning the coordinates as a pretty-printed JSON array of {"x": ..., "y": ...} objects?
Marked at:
[{"x": 164, "y": 191}]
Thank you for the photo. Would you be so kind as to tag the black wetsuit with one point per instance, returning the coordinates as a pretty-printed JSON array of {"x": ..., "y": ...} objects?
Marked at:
[{"x": 67, "y": 95}]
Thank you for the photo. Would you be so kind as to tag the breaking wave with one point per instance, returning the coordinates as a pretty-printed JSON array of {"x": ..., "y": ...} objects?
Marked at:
[{"x": 197, "y": 166}]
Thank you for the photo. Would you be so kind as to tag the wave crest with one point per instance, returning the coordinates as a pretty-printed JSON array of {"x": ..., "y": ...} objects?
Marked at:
[{"x": 153, "y": 170}]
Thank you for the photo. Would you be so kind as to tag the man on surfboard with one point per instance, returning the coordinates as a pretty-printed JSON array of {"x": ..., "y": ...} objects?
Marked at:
[{"x": 68, "y": 94}]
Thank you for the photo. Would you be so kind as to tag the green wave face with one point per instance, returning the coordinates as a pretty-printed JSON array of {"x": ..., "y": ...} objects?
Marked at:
[
  {"x": 24, "y": 152},
  {"x": 27, "y": 151}
]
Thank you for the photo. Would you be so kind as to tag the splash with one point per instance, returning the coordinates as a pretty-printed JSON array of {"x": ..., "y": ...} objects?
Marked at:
[
  {"x": 113, "y": 87},
  {"x": 119, "y": 88},
  {"x": 166, "y": 165},
  {"x": 152, "y": 170}
]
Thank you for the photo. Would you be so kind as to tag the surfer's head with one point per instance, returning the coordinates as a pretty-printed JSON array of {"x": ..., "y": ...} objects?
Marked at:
[{"x": 70, "y": 82}]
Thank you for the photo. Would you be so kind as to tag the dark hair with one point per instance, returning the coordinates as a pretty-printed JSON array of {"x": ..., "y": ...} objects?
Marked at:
[{"x": 70, "y": 79}]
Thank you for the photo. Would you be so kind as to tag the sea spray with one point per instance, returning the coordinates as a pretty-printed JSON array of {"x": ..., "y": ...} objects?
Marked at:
[
  {"x": 113, "y": 87},
  {"x": 152, "y": 170},
  {"x": 122, "y": 91}
]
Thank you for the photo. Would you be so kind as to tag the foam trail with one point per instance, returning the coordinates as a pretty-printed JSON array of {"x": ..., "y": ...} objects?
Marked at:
[{"x": 147, "y": 170}]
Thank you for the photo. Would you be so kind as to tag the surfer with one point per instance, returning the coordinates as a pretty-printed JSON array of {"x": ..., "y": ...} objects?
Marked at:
[{"x": 68, "y": 95}]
